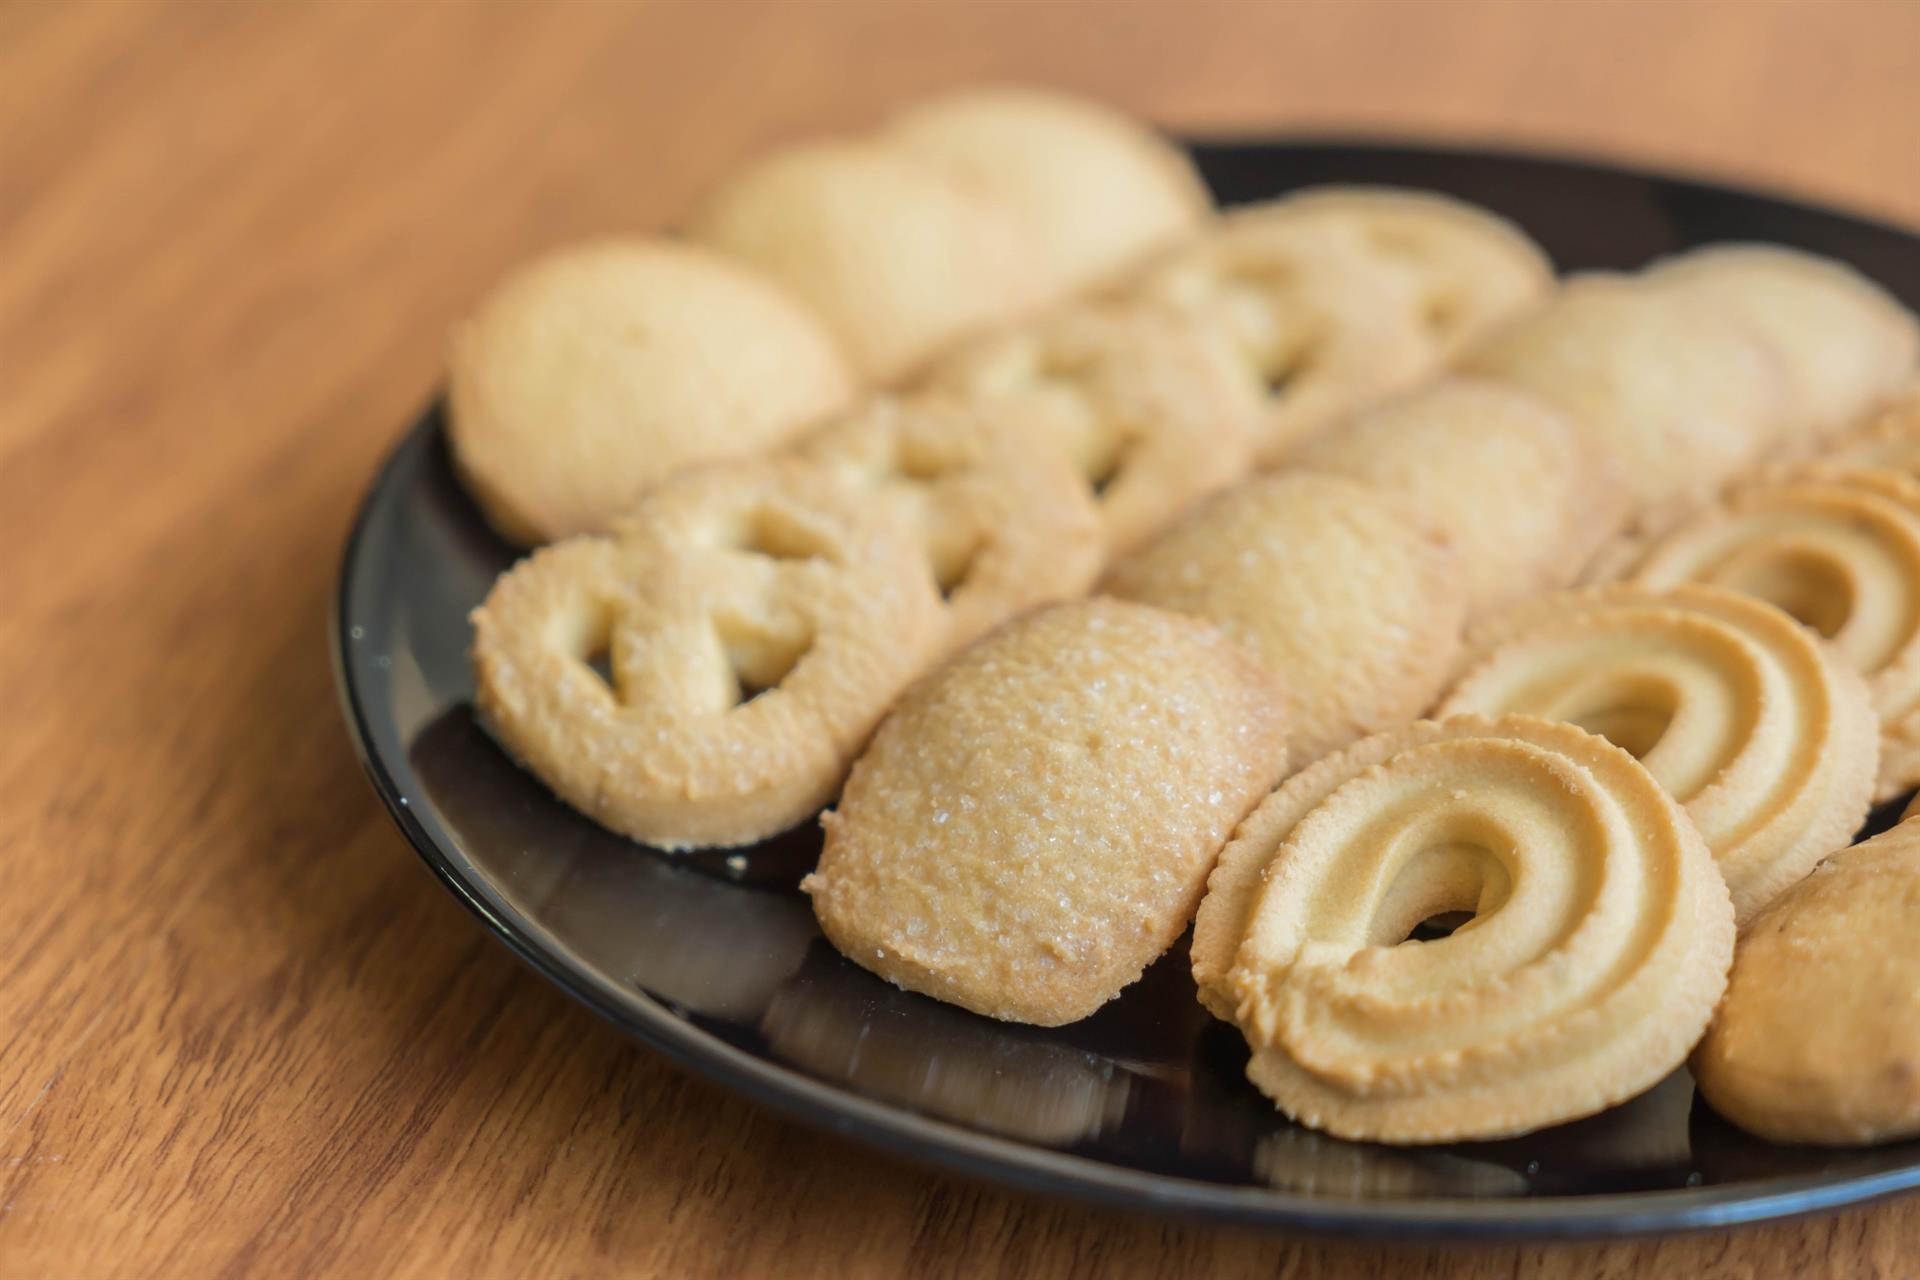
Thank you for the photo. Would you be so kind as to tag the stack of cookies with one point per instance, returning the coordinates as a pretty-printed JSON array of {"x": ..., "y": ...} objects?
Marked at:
[{"x": 826, "y": 480}]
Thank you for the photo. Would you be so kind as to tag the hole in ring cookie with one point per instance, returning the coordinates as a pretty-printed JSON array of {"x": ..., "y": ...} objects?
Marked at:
[
  {"x": 1814, "y": 589},
  {"x": 1279, "y": 370},
  {"x": 1105, "y": 467},
  {"x": 776, "y": 534},
  {"x": 1440, "y": 890},
  {"x": 1633, "y": 714},
  {"x": 953, "y": 563}
]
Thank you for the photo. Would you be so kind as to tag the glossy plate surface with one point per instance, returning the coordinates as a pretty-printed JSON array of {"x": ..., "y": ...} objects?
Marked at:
[{"x": 714, "y": 958}]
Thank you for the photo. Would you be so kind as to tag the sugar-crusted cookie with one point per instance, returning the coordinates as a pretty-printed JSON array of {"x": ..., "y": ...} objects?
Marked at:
[
  {"x": 589, "y": 374},
  {"x": 1005, "y": 521},
  {"x": 1464, "y": 269},
  {"x": 1736, "y": 709},
  {"x": 1519, "y": 490},
  {"x": 757, "y": 621},
  {"x": 1839, "y": 549},
  {"x": 1598, "y": 945},
  {"x": 1315, "y": 321},
  {"x": 1676, "y": 386},
  {"x": 1818, "y": 1039},
  {"x": 1844, "y": 343},
  {"x": 1331, "y": 583},
  {"x": 1034, "y": 823},
  {"x": 899, "y": 256},
  {"x": 1153, "y": 414},
  {"x": 1095, "y": 190}
]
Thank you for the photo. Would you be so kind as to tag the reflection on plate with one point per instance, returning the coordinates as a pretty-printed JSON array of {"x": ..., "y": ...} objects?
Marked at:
[{"x": 715, "y": 958}]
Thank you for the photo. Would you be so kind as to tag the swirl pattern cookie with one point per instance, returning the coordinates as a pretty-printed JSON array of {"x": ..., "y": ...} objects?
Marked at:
[
  {"x": 1095, "y": 190},
  {"x": 1463, "y": 268},
  {"x": 1332, "y": 584},
  {"x": 1314, "y": 321},
  {"x": 1154, "y": 415},
  {"x": 1675, "y": 386},
  {"x": 590, "y": 374},
  {"x": 1733, "y": 707},
  {"x": 1839, "y": 549},
  {"x": 899, "y": 256},
  {"x": 1034, "y": 823},
  {"x": 1006, "y": 523},
  {"x": 1844, "y": 343},
  {"x": 1598, "y": 946},
  {"x": 1818, "y": 1039},
  {"x": 757, "y": 621},
  {"x": 1522, "y": 494}
]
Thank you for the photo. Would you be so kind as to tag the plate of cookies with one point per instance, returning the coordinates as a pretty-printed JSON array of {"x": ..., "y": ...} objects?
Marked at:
[{"x": 1354, "y": 687}]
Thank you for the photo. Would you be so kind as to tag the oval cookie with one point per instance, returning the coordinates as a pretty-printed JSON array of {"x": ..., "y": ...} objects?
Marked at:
[
  {"x": 1818, "y": 1039},
  {"x": 1033, "y": 824},
  {"x": 1520, "y": 492},
  {"x": 1330, "y": 583},
  {"x": 897, "y": 255},
  {"x": 1598, "y": 943},
  {"x": 589, "y": 375},
  {"x": 1095, "y": 190}
]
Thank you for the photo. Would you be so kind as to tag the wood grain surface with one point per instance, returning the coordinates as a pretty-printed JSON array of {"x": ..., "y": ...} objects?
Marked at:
[{"x": 242, "y": 1032}]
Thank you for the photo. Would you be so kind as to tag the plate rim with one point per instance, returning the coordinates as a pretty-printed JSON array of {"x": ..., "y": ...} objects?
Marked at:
[{"x": 1007, "y": 1161}]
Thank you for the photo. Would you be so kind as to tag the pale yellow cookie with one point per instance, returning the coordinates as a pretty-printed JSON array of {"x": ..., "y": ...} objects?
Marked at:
[
  {"x": 1331, "y": 583},
  {"x": 1890, "y": 438},
  {"x": 1736, "y": 709},
  {"x": 1323, "y": 327},
  {"x": 1818, "y": 1039},
  {"x": 1095, "y": 190},
  {"x": 1154, "y": 415},
  {"x": 899, "y": 257},
  {"x": 1033, "y": 824},
  {"x": 1006, "y": 522},
  {"x": 1598, "y": 945},
  {"x": 588, "y": 375},
  {"x": 1844, "y": 343},
  {"x": 1839, "y": 549},
  {"x": 1464, "y": 268},
  {"x": 1680, "y": 391},
  {"x": 1519, "y": 490},
  {"x": 757, "y": 621}
]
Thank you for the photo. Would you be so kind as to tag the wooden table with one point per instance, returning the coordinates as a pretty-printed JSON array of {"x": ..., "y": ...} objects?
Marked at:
[{"x": 241, "y": 1031}]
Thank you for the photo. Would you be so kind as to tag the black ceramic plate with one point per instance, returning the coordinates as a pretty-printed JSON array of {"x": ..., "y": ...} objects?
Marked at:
[{"x": 715, "y": 960}]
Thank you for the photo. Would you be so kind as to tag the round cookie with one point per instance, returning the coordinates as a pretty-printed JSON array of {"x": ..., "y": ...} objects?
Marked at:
[
  {"x": 1522, "y": 494},
  {"x": 1818, "y": 1039},
  {"x": 1095, "y": 190},
  {"x": 1736, "y": 709},
  {"x": 1844, "y": 343},
  {"x": 1679, "y": 390},
  {"x": 1033, "y": 824},
  {"x": 757, "y": 621},
  {"x": 1153, "y": 414},
  {"x": 1006, "y": 522},
  {"x": 590, "y": 374},
  {"x": 1322, "y": 327},
  {"x": 898, "y": 256},
  {"x": 1464, "y": 268},
  {"x": 1839, "y": 549},
  {"x": 1598, "y": 945},
  {"x": 1331, "y": 583}
]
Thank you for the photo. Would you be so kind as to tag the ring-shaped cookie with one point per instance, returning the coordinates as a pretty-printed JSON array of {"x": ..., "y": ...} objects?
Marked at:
[
  {"x": 1736, "y": 709},
  {"x": 1153, "y": 413},
  {"x": 1839, "y": 549},
  {"x": 755, "y": 622},
  {"x": 1598, "y": 946}
]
